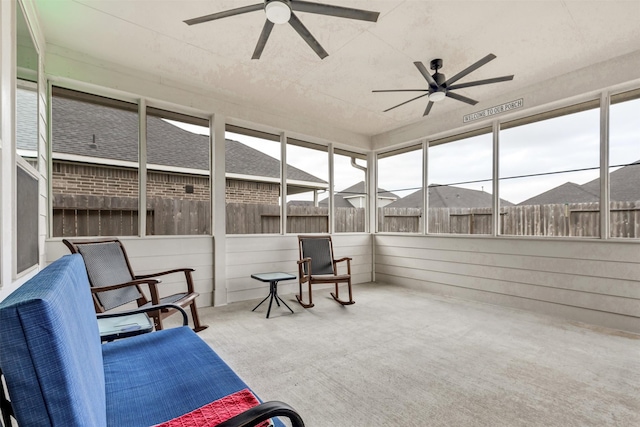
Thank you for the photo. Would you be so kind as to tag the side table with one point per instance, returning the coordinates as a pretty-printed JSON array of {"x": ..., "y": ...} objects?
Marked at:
[{"x": 273, "y": 279}]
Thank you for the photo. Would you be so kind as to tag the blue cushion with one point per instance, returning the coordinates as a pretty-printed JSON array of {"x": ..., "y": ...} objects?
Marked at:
[
  {"x": 149, "y": 387},
  {"x": 50, "y": 351}
]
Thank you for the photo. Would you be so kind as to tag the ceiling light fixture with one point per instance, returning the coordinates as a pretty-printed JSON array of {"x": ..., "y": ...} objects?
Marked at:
[
  {"x": 278, "y": 11},
  {"x": 437, "y": 96}
]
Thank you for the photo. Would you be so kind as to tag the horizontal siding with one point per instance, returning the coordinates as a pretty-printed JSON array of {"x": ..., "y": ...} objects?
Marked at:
[
  {"x": 590, "y": 281},
  {"x": 246, "y": 255}
]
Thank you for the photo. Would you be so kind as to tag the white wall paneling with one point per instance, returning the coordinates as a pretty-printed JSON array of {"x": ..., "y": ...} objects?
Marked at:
[
  {"x": 269, "y": 253},
  {"x": 591, "y": 281}
]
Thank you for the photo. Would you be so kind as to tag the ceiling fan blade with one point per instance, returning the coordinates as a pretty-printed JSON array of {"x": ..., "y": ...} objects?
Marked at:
[
  {"x": 406, "y": 102},
  {"x": 225, "y": 14},
  {"x": 307, "y": 37},
  {"x": 331, "y": 10},
  {"x": 426, "y": 111},
  {"x": 469, "y": 69},
  {"x": 481, "y": 82},
  {"x": 462, "y": 98},
  {"x": 425, "y": 73},
  {"x": 401, "y": 90},
  {"x": 262, "y": 41}
]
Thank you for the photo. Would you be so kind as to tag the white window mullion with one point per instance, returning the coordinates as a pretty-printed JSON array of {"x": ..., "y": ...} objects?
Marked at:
[
  {"x": 605, "y": 212},
  {"x": 142, "y": 168},
  {"x": 283, "y": 183}
]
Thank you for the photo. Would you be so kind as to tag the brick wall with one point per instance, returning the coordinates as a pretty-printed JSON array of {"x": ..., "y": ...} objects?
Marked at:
[
  {"x": 69, "y": 178},
  {"x": 81, "y": 179},
  {"x": 252, "y": 192}
]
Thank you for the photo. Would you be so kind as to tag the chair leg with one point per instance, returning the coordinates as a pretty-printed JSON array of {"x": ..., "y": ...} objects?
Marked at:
[
  {"x": 197, "y": 327},
  {"x": 299, "y": 298},
  {"x": 158, "y": 321},
  {"x": 336, "y": 297}
]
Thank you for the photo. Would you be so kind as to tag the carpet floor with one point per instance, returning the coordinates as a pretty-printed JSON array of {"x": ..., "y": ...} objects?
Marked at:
[{"x": 401, "y": 357}]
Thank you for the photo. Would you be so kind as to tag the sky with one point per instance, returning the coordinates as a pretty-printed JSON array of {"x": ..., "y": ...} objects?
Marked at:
[
  {"x": 552, "y": 149},
  {"x": 556, "y": 145}
]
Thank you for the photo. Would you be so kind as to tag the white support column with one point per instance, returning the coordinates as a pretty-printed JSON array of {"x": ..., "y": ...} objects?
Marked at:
[
  {"x": 605, "y": 197},
  {"x": 332, "y": 217},
  {"x": 7, "y": 143},
  {"x": 425, "y": 187},
  {"x": 372, "y": 193},
  {"x": 495, "y": 218},
  {"x": 142, "y": 168},
  {"x": 371, "y": 185},
  {"x": 218, "y": 208},
  {"x": 283, "y": 183}
]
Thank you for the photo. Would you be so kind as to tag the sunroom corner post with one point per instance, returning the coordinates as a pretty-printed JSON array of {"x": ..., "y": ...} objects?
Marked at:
[
  {"x": 495, "y": 218},
  {"x": 217, "y": 188},
  {"x": 605, "y": 196}
]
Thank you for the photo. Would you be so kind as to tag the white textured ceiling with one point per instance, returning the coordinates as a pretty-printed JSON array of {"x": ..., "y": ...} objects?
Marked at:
[{"x": 534, "y": 40}]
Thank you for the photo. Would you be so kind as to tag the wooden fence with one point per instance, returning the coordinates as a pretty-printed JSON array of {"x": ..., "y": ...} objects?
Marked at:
[
  {"x": 82, "y": 215},
  {"x": 245, "y": 218},
  {"x": 109, "y": 216},
  {"x": 572, "y": 219}
]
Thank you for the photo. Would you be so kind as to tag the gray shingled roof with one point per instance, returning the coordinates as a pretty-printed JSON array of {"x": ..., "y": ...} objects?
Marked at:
[
  {"x": 568, "y": 192},
  {"x": 340, "y": 198},
  {"x": 624, "y": 184},
  {"x": 75, "y": 123},
  {"x": 448, "y": 196}
]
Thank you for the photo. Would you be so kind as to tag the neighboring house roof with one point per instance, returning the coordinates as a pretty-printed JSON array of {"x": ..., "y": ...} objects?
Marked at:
[
  {"x": 624, "y": 184},
  {"x": 340, "y": 199},
  {"x": 80, "y": 128},
  {"x": 568, "y": 192},
  {"x": 448, "y": 196},
  {"x": 244, "y": 160}
]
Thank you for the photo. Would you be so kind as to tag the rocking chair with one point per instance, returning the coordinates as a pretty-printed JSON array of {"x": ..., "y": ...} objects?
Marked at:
[
  {"x": 113, "y": 282},
  {"x": 317, "y": 265}
]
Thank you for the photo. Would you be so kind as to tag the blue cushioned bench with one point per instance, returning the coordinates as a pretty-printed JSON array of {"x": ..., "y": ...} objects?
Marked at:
[{"x": 59, "y": 374}]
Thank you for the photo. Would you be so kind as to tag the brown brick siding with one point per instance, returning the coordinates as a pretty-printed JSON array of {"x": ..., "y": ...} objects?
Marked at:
[
  {"x": 80, "y": 179},
  {"x": 252, "y": 192}
]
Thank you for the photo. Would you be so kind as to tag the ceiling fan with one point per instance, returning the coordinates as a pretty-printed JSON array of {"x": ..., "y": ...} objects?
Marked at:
[
  {"x": 281, "y": 12},
  {"x": 440, "y": 87}
]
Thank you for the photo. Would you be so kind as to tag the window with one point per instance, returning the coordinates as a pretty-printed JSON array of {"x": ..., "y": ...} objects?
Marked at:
[
  {"x": 94, "y": 165},
  {"x": 27, "y": 122},
  {"x": 549, "y": 169},
  {"x": 307, "y": 184},
  {"x": 350, "y": 191},
  {"x": 178, "y": 178},
  {"x": 399, "y": 190},
  {"x": 624, "y": 164},
  {"x": 460, "y": 198},
  {"x": 252, "y": 169}
]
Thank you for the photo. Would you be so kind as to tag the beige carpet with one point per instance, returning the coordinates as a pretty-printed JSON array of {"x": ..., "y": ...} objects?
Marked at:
[{"x": 404, "y": 358}]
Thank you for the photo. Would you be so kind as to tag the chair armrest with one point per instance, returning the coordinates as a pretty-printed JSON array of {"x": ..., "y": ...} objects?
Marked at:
[
  {"x": 303, "y": 277},
  {"x": 348, "y": 259},
  {"x": 149, "y": 282},
  {"x": 187, "y": 275},
  {"x": 263, "y": 412},
  {"x": 185, "y": 320},
  {"x": 162, "y": 273}
]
